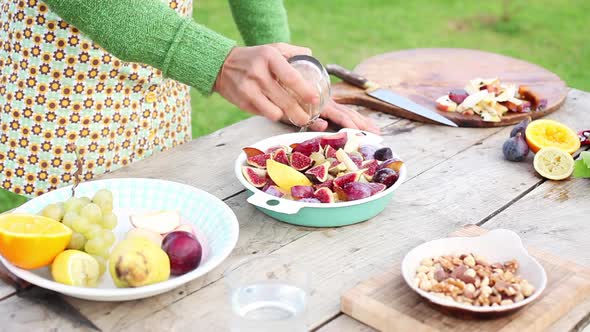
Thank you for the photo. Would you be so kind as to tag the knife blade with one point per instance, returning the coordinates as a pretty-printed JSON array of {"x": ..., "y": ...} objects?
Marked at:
[{"x": 374, "y": 90}]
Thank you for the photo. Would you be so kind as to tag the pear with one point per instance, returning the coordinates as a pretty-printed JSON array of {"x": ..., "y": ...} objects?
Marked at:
[{"x": 138, "y": 262}]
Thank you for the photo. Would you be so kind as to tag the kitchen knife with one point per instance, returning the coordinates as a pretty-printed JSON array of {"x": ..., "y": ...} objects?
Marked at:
[{"x": 374, "y": 90}]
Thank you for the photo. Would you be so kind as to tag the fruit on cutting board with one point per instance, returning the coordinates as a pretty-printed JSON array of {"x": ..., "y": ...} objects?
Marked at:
[
  {"x": 331, "y": 162},
  {"x": 491, "y": 99},
  {"x": 138, "y": 262},
  {"x": 31, "y": 241},
  {"x": 553, "y": 163},
  {"x": 184, "y": 250},
  {"x": 160, "y": 222},
  {"x": 76, "y": 268},
  {"x": 549, "y": 133}
]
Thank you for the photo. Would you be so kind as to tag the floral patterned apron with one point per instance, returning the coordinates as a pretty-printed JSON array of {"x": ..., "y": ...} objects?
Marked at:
[{"x": 57, "y": 87}]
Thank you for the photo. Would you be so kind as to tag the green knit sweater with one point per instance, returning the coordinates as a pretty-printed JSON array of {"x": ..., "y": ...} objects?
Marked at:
[{"x": 149, "y": 32}]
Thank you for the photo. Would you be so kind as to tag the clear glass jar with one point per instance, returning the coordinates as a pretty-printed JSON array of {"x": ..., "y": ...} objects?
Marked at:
[{"x": 313, "y": 72}]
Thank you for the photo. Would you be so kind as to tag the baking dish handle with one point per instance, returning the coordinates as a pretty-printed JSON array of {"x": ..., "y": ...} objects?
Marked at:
[{"x": 274, "y": 204}]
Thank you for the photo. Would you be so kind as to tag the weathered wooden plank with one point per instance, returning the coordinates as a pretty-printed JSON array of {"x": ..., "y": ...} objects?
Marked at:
[
  {"x": 32, "y": 314},
  {"x": 553, "y": 217},
  {"x": 463, "y": 189},
  {"x": 345, "y": 323}
]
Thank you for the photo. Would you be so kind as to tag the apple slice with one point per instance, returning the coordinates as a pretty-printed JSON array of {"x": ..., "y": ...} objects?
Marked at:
[
  {"x": 160, "y": 222},
  {"x": 145, "y": 233}
]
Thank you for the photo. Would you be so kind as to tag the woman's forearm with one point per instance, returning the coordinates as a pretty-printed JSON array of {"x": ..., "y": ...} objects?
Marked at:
[
  {"x": 148, "y": 31},
  {"x": 261, "y": 21}
]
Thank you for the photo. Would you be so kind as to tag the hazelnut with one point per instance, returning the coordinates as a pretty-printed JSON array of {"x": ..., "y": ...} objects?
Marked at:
[{"x": 469, "y": 261}]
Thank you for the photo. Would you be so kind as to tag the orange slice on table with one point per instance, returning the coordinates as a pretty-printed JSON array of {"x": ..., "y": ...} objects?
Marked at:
[
  {"x": 31, "y": 241},
  {"x": 548, "y": 133}
]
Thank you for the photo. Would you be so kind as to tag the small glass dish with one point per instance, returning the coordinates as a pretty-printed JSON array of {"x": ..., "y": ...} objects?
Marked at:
[{"x": 268, "y": 293}]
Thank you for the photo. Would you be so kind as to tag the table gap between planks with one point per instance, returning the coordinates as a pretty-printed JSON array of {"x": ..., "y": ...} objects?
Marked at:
[{"x": 456, "y": 177}]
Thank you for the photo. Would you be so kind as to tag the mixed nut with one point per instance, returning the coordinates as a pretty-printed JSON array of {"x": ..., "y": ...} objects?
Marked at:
[{"x": 470, "y": 279}]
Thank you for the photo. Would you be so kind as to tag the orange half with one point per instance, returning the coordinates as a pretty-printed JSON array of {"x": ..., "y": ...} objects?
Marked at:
[
  {"x": 548, "y": 133},
  {"x": 31, "y": 241}
]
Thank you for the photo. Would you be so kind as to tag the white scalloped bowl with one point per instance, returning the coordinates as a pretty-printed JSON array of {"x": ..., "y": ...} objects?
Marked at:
[
  {"x": 495, "y": 246},
  {"x": 213, "y": 218}
]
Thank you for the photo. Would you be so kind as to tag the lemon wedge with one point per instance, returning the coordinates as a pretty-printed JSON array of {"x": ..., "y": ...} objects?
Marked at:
[
  {"x": 553, "y": 163},
  {"x": 75, "y": 268},
  {"x": 285, "y": 176}
]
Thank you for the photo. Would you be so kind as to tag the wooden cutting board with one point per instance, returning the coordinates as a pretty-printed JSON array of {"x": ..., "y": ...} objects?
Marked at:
[
  {"x": 423, "y": 75},
  {"x": 386, "y": 303}
]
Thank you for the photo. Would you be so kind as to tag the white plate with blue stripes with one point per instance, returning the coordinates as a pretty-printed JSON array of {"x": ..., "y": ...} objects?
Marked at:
[{"x": 213, "y": 218}]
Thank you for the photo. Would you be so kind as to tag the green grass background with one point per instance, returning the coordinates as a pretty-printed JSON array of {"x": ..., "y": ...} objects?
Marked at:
[{"x": 551, "y": 33}]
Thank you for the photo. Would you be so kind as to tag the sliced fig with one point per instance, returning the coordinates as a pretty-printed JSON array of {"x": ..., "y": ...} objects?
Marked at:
[
  {"x": 356, "y": 158},
  {"x": 347, "y": 178},
  {"x": 383, "y": 154},
  {"x": 353, "y": 191},
  {"x": 336, "y": 141},
  {"x": 386, "y": 176},
  {"x": 370, "y": 167},
  {"x": 258, "y": 160},
  {"x": 275, "y": 148},
  {"x": 318, "y": 173},
  {"x": 329, "y": 183},
  {"x": 393, "y": 163},
  {"x": 307, "y": 147},
  {"x": 329, "y": 152},
  {"x": 336, "y": 167},
  {"x": 256, "y": 176},
  {"x": 299, "y": 192},
  {"x": 299, "y": 161},
  {"x": 280, "y": 155},
  {"x": 344, "y": 158},
  {"x": 324, "y": 195},
  {"x": 376, "y": 187},
  {"x": 368, "y": 151},
  {"x": 251, "y": 152},
  {"x": 458, "y": 95},
  {"x": 275, "y": 191}
]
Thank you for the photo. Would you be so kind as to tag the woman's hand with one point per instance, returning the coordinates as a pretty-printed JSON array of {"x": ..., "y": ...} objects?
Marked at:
[
  {"x": 344, "y": 117},
  {"x": 248, "y": 79}
]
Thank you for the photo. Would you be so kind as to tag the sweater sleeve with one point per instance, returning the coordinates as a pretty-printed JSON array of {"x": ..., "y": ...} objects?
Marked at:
[
  {"x": 261, "y": 21},
  {"x": 149, "y": 32}
]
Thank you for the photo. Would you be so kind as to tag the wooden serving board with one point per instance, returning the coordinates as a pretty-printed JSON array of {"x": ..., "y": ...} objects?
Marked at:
[
  {"x": 423, "y": 75},
  {"x": 386, "y": 303}
]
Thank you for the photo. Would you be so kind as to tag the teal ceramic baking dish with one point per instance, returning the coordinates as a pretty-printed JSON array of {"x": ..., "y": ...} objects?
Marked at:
[{"x": 317, "y": 214}]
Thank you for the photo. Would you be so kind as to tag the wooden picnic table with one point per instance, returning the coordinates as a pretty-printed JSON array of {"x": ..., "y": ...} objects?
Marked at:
[{"x": 457, "y": 176}]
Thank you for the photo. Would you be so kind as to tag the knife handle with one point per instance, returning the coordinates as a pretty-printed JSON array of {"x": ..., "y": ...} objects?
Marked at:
[{"x": 351, "y": 77}]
